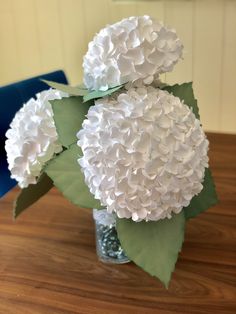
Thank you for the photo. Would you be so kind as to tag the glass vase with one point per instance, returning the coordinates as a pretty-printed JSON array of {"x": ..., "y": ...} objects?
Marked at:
[{"x": 108, "y": 246}]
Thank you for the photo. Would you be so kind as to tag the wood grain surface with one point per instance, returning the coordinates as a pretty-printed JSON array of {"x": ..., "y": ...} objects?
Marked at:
[{"x": 48, "y": 262}]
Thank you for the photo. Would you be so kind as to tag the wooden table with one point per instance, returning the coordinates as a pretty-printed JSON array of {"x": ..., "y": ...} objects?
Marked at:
[{"x": 48, "y": 262}]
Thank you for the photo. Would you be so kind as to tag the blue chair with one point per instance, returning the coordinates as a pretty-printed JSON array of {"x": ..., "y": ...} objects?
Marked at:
[{"x": 12, "y": 97}]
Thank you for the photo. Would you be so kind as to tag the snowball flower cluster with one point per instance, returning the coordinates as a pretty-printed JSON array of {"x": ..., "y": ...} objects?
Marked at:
[
  {"x": 32, "y": 138},
  {"x": 134, "y": 48},
  {"x": 144, "y": 153}
]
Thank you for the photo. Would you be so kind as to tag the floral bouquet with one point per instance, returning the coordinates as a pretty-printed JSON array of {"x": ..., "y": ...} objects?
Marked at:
[{"x": 123, "y": 141}]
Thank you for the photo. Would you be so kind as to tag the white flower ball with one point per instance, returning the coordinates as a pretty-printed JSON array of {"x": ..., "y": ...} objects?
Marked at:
[
  {"x": 32, "y": 138},
  {"x": 144, "y": 153},
  {"x": 134, "y": 48}
]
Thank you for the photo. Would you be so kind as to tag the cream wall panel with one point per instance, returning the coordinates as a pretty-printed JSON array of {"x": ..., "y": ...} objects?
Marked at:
[
  {"x": 73, "y": 38},
  {"x": 228, "y": 99},
  {"x": 26, "y": 37},
  {"x": 9, "y": 65},
  {"x": 96, "y": 16},
  {"x": 207, "y": 60},
  {"x": 49, "y": 34},
  {"x": 122, "y": 9},
  {"x": 179, "y": 15},
  {"x": 38, "y": 36},
  {"x": 153, "y": 8}
]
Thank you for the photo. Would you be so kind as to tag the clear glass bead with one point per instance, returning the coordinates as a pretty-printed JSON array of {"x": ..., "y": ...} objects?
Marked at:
[{"x": 108, "y": 246}]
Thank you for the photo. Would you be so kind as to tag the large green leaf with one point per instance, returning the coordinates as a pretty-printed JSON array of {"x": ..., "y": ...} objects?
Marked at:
[
  {"x": 99, "y": 94},
  {"x": 66, "y": 174},
  {"x": 185, "y": 93},
  {"x": 32, "y": 194},
  {"x": 71, "y": 90},
  {"x": 154, "y": 246},
  {"x": 205, "y": 199},
  {"x": 69, "y": 114}
]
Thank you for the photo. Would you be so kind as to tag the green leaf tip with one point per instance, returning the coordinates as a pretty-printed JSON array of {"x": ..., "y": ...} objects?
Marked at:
[
  {"x": 28, "y": 196},
  {"x": 67, "y": 176},
  {"x": 154, "y": 246},
  {"x": 99, "y": 94},
  {"x": 69, "y": 114},
  {"x": 71, "y": 90}
]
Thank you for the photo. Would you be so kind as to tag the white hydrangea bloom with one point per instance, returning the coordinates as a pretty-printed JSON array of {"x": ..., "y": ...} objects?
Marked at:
[
  {"x": 32, "y": 138},
  {"x": 144, "y": 153},
  {"x": 134, "y": 48}
]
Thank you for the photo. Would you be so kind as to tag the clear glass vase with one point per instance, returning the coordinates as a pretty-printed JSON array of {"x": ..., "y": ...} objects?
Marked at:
[{"x": 108, "y": 246}]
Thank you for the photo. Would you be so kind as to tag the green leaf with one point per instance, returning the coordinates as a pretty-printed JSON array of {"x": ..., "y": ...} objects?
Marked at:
[
  {"x": 67, "y": 176},
  {"x": 32, "y": 194},
  {"x": 154, "y": 245},
  {"x": 99, "y": 94},
  {"x": 185, "y": 93},
  {"x": 205, "y": 199},
  {"x": 71, "y": 90},
  {"x": 69, "y": 114}
]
